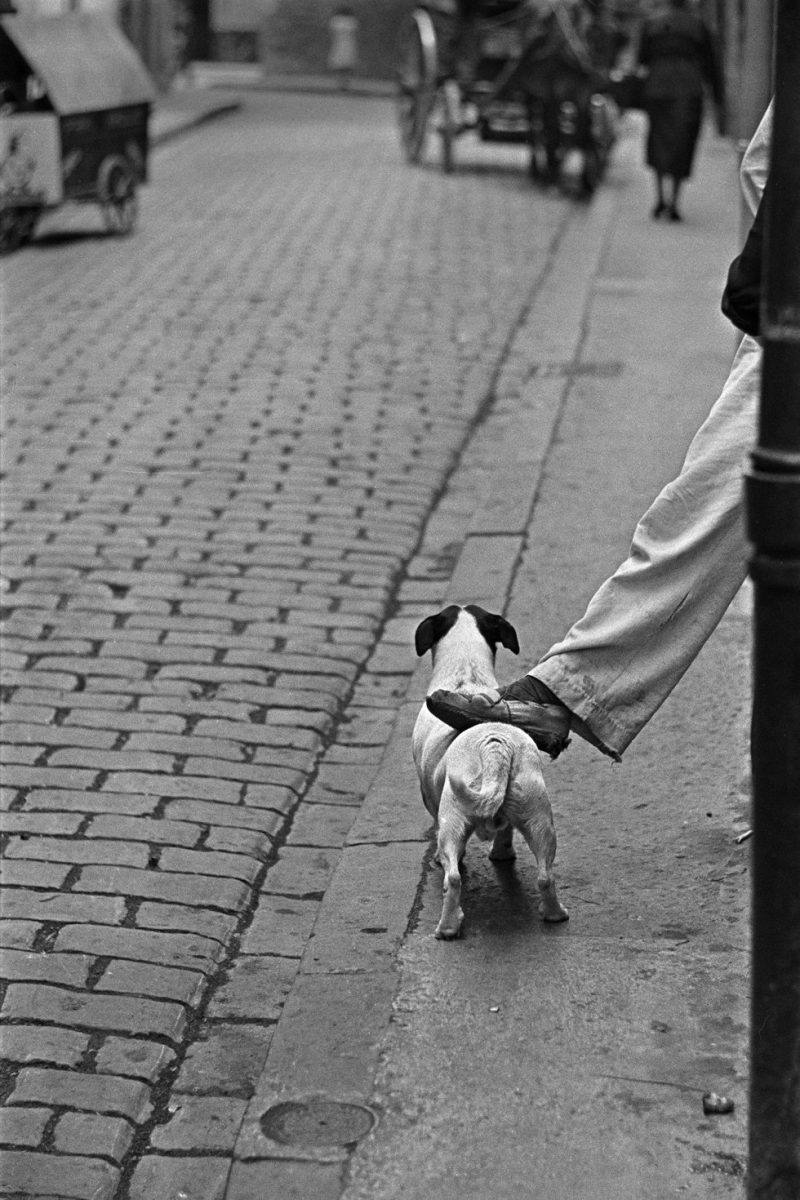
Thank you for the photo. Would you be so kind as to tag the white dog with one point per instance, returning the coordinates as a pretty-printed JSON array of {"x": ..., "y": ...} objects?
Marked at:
[{"x": 487, "y": 780}]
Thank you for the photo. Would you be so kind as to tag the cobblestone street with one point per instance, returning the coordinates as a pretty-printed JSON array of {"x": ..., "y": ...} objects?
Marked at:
[{"x": 223, "y": 440}]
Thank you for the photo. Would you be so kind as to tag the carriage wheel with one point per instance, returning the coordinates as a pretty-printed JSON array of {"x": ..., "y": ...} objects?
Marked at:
[
  {"x": 592, "y": 171},
  {"x": 448, "y": 120},
  {"x": 416, "y": 83},
  {"x": 17, "y": 224},
  {"x": 29, "y": 223},
  {"x": 116, "y": 189}
]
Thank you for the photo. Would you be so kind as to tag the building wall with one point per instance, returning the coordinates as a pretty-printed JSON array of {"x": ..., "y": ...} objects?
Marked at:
[
  {"x": 44, "y": 8},
  {"x": 149, "y": 24},
  {"x": 236, "y": 28},
  {"x": 292, "y": 35}
]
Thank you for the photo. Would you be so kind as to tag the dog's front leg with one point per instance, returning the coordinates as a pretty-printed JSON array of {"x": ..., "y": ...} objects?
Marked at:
[{"x": 451, "y": 841}]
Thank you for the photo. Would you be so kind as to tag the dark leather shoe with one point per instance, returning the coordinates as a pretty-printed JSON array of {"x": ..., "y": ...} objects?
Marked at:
[{"x": 546, "y": 724}]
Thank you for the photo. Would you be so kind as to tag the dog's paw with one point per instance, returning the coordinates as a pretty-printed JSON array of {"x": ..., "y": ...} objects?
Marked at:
[
  {"x": 449, "y": 933},
  {"x": 553, "y": 911}
]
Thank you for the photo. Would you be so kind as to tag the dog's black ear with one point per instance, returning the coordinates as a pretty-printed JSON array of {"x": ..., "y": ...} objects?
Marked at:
[
  {"x": 432, "y": 629},
  {"x": 495, "y": 628}
]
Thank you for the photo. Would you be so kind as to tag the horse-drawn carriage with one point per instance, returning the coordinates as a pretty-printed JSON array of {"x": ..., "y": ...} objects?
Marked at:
[{"x": 510, "y": 71}]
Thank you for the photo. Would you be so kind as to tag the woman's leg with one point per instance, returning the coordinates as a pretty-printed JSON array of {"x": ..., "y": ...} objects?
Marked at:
[
  {"x": 660, "y": 205},
  {"x": 674, "y": 213}
]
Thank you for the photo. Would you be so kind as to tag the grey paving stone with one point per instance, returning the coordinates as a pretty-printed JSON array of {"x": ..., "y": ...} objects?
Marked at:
[
  {"x": 54, "y": 1046},
  {"x": 113, "y": 719},
  {"x": 155, "y": 982},
  {"x": 89, "y": 1010},
  {"x": 200, "y": 1123},
  {"x": 67, "y": 1177},
  {"x": 47, "y": 777},
  {"x": 226, "y": 1059},
  {"x": 255, "y": 988},
  {"x": 282, "y": 767},
  {"x": 23, "y": 1126},
  {"x": 275, "y": 1180},
  {"x": 210, "y": 862},
  {"x": 112, "y": 760},
  {"x": 320, "y": 825},
  {"x": 266, "y": 818},
  {"x": 69, "y": 970},
  {"x": 158, "y": 785},
  {"x": 31, "y": 822},
  {"x": 301, "y": 871},
  {"x": 137, "y": 1058},
  {"x": 281, "y": 926},
  {"x": 62, "y": 906},
  {"x": 57, "y": 800},
  {"x": 173, "y": 948},
  {"x": 31, "y": 874},
  {"x": 21, "y": 754},
  {"x": 216, "y": 926},
  {"x": 63, "y": 850},
  {"x": 58, "y": 735},
  {"x": 204, "y": 891},
  {"x": 108, "y": 1136},
  {"x": 87, "y": 1093},
  {"x": 142, "y": 829},
  {"x": 239, "y": 841},
  {"x": 192, "y": 1178}
]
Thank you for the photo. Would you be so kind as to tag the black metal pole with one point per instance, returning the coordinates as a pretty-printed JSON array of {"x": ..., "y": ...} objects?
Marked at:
[{"x": 773, "y": 509}]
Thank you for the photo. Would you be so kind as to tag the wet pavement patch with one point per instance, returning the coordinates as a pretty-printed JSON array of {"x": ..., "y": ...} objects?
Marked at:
[{"x": 317, "y": 1123}]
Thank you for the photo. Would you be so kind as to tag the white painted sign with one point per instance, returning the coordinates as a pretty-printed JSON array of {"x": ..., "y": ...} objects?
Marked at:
[{"x": 30, "y": 158}]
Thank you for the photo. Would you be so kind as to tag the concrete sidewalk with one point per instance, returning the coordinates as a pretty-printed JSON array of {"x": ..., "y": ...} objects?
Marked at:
[
  {"x": 524, "y": 1060},
  {"x": 211, "y": 90},
  {"x": 178, "y": 111}
]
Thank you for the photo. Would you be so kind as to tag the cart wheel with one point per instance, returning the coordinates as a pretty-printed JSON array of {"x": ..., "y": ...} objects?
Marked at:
[
  {"x": 30, "y": 219},
  {"x": 14, "y": 226},
  {"x": 116, "y": 189},
  {"x": 537, "y": 164},
  {"x": 592, "y": 172},
  {"x": 448, "y": 120},
  {"x": 416, "y": 83}
]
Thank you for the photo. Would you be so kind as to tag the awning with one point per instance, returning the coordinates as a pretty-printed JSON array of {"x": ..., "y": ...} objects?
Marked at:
[{"x": 84, "y": 61}]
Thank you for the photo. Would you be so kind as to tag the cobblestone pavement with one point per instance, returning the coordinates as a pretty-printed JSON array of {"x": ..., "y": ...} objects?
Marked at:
[{"x": 223, "y": 440}]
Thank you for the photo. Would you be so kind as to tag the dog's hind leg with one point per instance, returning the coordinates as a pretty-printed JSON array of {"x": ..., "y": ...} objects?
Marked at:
[
  {"x": 503, "y": 845},
  {"x": 451, "y": 841},
  {"x": 541, "y": 837}
]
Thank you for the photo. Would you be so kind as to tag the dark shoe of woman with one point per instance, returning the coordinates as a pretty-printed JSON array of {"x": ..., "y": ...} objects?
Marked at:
[{"x": 659, "y": 210}]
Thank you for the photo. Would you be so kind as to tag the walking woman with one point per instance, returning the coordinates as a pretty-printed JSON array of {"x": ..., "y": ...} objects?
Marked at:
[{"x": 678, "y": 52}]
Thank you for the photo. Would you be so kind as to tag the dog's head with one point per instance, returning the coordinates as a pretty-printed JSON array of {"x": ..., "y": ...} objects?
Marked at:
[{"x": 493, "y": 628}]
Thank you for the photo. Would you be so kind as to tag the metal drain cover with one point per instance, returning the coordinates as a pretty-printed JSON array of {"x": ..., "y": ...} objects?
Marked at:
[{"x": 317, "y": 1123}]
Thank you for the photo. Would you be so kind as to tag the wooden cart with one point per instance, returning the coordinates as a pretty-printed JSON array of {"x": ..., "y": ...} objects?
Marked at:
[{"x": 75, "y": 102}]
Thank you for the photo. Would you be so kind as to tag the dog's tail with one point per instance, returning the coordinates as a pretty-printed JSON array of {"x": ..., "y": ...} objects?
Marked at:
[{"x": 480, "y": 780}]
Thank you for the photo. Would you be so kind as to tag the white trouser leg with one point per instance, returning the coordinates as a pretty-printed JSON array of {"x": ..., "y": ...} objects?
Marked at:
[{"x": 689, "y": 555}]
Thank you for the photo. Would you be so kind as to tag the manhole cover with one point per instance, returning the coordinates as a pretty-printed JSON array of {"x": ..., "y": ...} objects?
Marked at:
[{"x": 317, "y": 1123}]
